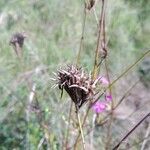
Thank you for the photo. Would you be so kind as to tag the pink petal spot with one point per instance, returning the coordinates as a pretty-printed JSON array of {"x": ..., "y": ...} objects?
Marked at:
[
  {"x": 99, "y": 107},
  {"x": 108, "y": 98},
  {"x": 103, "y": 80}
]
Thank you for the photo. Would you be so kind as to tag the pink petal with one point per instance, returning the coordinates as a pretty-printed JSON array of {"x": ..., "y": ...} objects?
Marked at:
[
  {"x": 108, "y": 98},
  {"x": 99, "y": 107},
  {"x": 104, "y": 81}
]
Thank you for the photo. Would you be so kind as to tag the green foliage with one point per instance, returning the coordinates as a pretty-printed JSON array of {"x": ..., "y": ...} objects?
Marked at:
[{"x": 54, "y": 31}]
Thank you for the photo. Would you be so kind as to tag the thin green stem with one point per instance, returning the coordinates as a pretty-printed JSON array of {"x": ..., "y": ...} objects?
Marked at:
[
  {"x": 130, "y": 67},
  {"x": 125, "y": 95},
  {"x": 82, "y": 37},
  {"x": 84, "y": 119},
  {"x": 81, "y": 130},
  {"x": 97, "y": 51},
  {"x": 69, "y": 118}
]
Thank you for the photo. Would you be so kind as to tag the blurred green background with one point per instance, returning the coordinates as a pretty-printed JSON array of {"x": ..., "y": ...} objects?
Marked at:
[{"x": 53, "y": 30}]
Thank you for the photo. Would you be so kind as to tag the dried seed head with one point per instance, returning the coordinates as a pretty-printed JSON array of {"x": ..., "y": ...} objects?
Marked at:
[
  {"x": 18, "y": 38},
  {"x": 76, "y": 83},
  {"x": 89, "y": 4},
  {"x": 17, "y": 41}
]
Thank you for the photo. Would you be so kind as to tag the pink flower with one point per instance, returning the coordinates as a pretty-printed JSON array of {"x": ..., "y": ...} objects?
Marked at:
[
  {"x": 99, "y": 107},
  {"x": 108, "y": 98},
  {"x": 103, "y": 80}
]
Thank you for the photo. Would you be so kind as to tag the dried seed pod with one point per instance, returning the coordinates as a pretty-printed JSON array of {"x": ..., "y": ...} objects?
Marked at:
[
  {"x": 17, "y": 41},
  {"x": 76, "y": 83},
  {"x": 89, "y": 4},
  {"x": 18, "y": 38}
]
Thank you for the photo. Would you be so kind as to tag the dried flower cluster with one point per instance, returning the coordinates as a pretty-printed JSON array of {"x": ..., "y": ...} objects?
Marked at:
[
  {"x": 89, "y": 5},
  {"x": 18, "y": 38},
  {"x": 82, "y": 88},
  {"x": 17, "y": 41},
  {"x": 79, "y": 86}
]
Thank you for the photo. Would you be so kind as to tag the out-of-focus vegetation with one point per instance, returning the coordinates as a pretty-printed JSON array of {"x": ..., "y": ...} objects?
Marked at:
[{"x": 53, "y": 30}]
